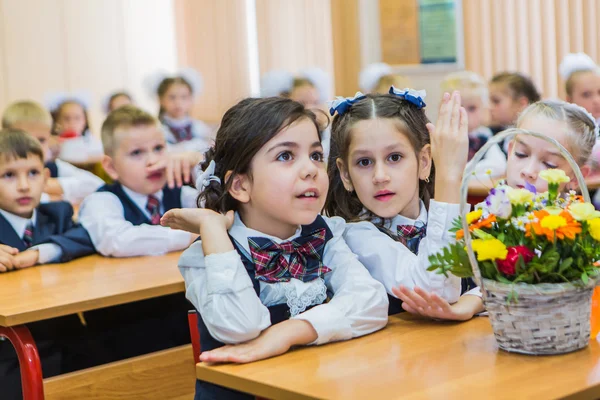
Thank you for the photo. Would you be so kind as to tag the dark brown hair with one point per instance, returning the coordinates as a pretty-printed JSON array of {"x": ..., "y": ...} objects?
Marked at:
[
  {"x": 164, "y": 86},
  {"x": 58, "y": 111},
  {"x": 114, "y": 96},
  {"x": 411, "y": 120},
  {"x": 245, "y": 129},
  {"x": 16, "y": 144},
  {"x": 520, "y": 85}
]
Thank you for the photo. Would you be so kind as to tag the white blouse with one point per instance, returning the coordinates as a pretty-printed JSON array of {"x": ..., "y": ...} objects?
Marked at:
[
  {"x": 494, "y": 160},
  {"x": 219, "y": 287},
  {"x": 392, "y": 263},
  {"x": 202, "y": 135}
]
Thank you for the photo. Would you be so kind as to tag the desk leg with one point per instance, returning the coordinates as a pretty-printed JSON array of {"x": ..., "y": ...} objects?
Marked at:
[{"x": 29, "y": 361}]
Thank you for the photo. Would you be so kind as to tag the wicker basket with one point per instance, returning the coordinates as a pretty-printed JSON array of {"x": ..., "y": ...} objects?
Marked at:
[{"x": 545, "y": 318}]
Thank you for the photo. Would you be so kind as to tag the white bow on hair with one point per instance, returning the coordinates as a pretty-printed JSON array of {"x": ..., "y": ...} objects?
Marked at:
[{"x": 208, "y": 176}]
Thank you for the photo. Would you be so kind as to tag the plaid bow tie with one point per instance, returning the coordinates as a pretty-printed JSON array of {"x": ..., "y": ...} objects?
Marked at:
[
  {"x": 475, "y": 144},
  {"x": 153, "y": 207},
  {"x": 28, "y": 235},
  {"x": 305, "y": 261},
  {"x": 411, "y": 235},
  {"x": 182, "y": 134}
]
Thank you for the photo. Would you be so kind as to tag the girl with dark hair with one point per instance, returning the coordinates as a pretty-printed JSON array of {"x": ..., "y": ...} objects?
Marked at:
[
  {"x": 382, "y": 178},
  {"x": 270, "y": 272}
]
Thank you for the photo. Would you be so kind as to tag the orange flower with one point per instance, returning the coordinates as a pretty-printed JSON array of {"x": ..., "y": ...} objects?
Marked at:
[
  {"x": 484, "y": 223},
  {"x": 568, "y": 230}
]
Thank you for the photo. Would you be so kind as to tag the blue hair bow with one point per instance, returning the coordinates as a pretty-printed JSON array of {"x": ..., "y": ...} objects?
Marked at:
[
  {"x": 416, "y": 97},
  {"x": 342, "y": 104}
]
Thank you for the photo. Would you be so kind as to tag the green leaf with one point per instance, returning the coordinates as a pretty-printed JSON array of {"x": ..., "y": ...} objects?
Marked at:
[
  {"x": 478, "y": 233},
  {"x": 565, "y": 264},
  {"x": 584, "y": 278}
]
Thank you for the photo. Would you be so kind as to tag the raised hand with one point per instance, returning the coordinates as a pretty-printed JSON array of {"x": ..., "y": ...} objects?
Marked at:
[{"x": 449, "y": 148}]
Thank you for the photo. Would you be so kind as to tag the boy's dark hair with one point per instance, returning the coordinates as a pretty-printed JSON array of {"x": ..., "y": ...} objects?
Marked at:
[
  {"x": 520, "y": 85},
  {"x": 244, "y": 130},
  {"x": 410, "y": 119},
  {"x": 16, "y": 144}
]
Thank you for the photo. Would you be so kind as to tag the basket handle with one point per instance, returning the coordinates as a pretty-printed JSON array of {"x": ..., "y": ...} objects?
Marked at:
[{"x": 470, "y": 168}]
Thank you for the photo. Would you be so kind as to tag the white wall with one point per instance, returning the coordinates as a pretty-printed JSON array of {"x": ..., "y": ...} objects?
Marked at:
[{"x": 94, "y": 45}]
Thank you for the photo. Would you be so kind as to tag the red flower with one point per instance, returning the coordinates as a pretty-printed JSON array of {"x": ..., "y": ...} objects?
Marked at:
[{"x": 508, "y": 266}]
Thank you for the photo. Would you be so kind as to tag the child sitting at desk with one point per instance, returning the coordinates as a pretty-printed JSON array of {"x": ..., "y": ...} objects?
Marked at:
[
  {"x": 123, "y": 221},
  {"x": 67, "y": 181},
  {"x": 123, "y": 218},
  {"x": 32, "y": 233}
]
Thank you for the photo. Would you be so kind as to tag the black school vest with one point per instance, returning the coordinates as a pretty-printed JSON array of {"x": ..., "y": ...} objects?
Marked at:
[
  {"x": 279, "y": 312},
  {"x": 51, "y": 165},
  {"x": 171, "y": 199}
]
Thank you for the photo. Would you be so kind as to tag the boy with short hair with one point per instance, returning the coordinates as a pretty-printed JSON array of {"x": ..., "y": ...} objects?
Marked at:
[
  {"x": 123, "y": 218},
  {"x": 67, "y": 181},
  {"x": 33, "y": 233}
]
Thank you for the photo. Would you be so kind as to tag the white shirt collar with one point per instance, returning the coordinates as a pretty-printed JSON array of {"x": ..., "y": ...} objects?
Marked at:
[
  {"x": 19, "y": 223},
  {"x": 401, "y": 220},
  {"x": 141, "y": 200},
  {"x": 241, "y": 233},
  {"x": 482, "y": 131},
  {"x": 177, "y": 123}
]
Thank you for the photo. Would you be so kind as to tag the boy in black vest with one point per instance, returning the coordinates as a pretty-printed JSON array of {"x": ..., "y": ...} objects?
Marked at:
[
  {"x": 66, "y": 181},
  {"x": 31, "y": 234},
  {"x": 123, "y": 218},
  {"x": 123, "y": 221}
]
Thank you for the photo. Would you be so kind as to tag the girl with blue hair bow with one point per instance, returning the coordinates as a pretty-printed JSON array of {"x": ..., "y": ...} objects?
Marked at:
[{"x": 384, "y": 160}]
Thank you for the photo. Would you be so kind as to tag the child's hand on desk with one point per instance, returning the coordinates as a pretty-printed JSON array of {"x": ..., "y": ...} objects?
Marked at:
[
  {"x": 420, "y": 302},
  {"x": 7, "y": 258},
  {"x": 273, "y": 341},
  {"x": 27, "y": 258}
]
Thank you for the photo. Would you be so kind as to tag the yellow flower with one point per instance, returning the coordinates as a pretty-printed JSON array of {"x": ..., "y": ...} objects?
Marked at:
[
  {"x": 554, "y": 176},
  {"x": 520, "y": 196},
  {"x": 474, "y": 216},
  {"x": 583, "y": 211},
  {"x": 553, "y": 222},
  {"x": 491, "y": 249},
  {"x": 594, "y": 228},
  {"x": 553, "y": 210}
]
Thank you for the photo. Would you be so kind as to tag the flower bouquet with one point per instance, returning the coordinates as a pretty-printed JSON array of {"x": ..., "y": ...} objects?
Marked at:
[{"x": 534, "y": 256}]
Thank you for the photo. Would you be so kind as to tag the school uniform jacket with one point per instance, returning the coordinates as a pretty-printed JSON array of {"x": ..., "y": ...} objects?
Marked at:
[{"x": 55, "y": 235}]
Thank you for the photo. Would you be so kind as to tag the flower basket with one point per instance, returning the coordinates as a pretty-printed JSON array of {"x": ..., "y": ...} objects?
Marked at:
[{"x": 542, "y": 318}]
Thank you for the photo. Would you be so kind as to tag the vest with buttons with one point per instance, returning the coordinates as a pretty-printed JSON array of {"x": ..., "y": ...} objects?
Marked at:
[{"x": 278, "y": 313}]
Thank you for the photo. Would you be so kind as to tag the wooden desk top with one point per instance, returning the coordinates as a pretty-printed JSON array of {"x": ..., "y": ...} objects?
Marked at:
[
  {"x": 415, "y": 359},
  {"x": 85, "y": 284}
]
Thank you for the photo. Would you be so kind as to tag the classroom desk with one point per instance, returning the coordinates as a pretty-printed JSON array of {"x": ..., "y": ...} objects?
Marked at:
[
  {"x": 85, "y": 284},
  {"x": 414, "y": 358}
]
